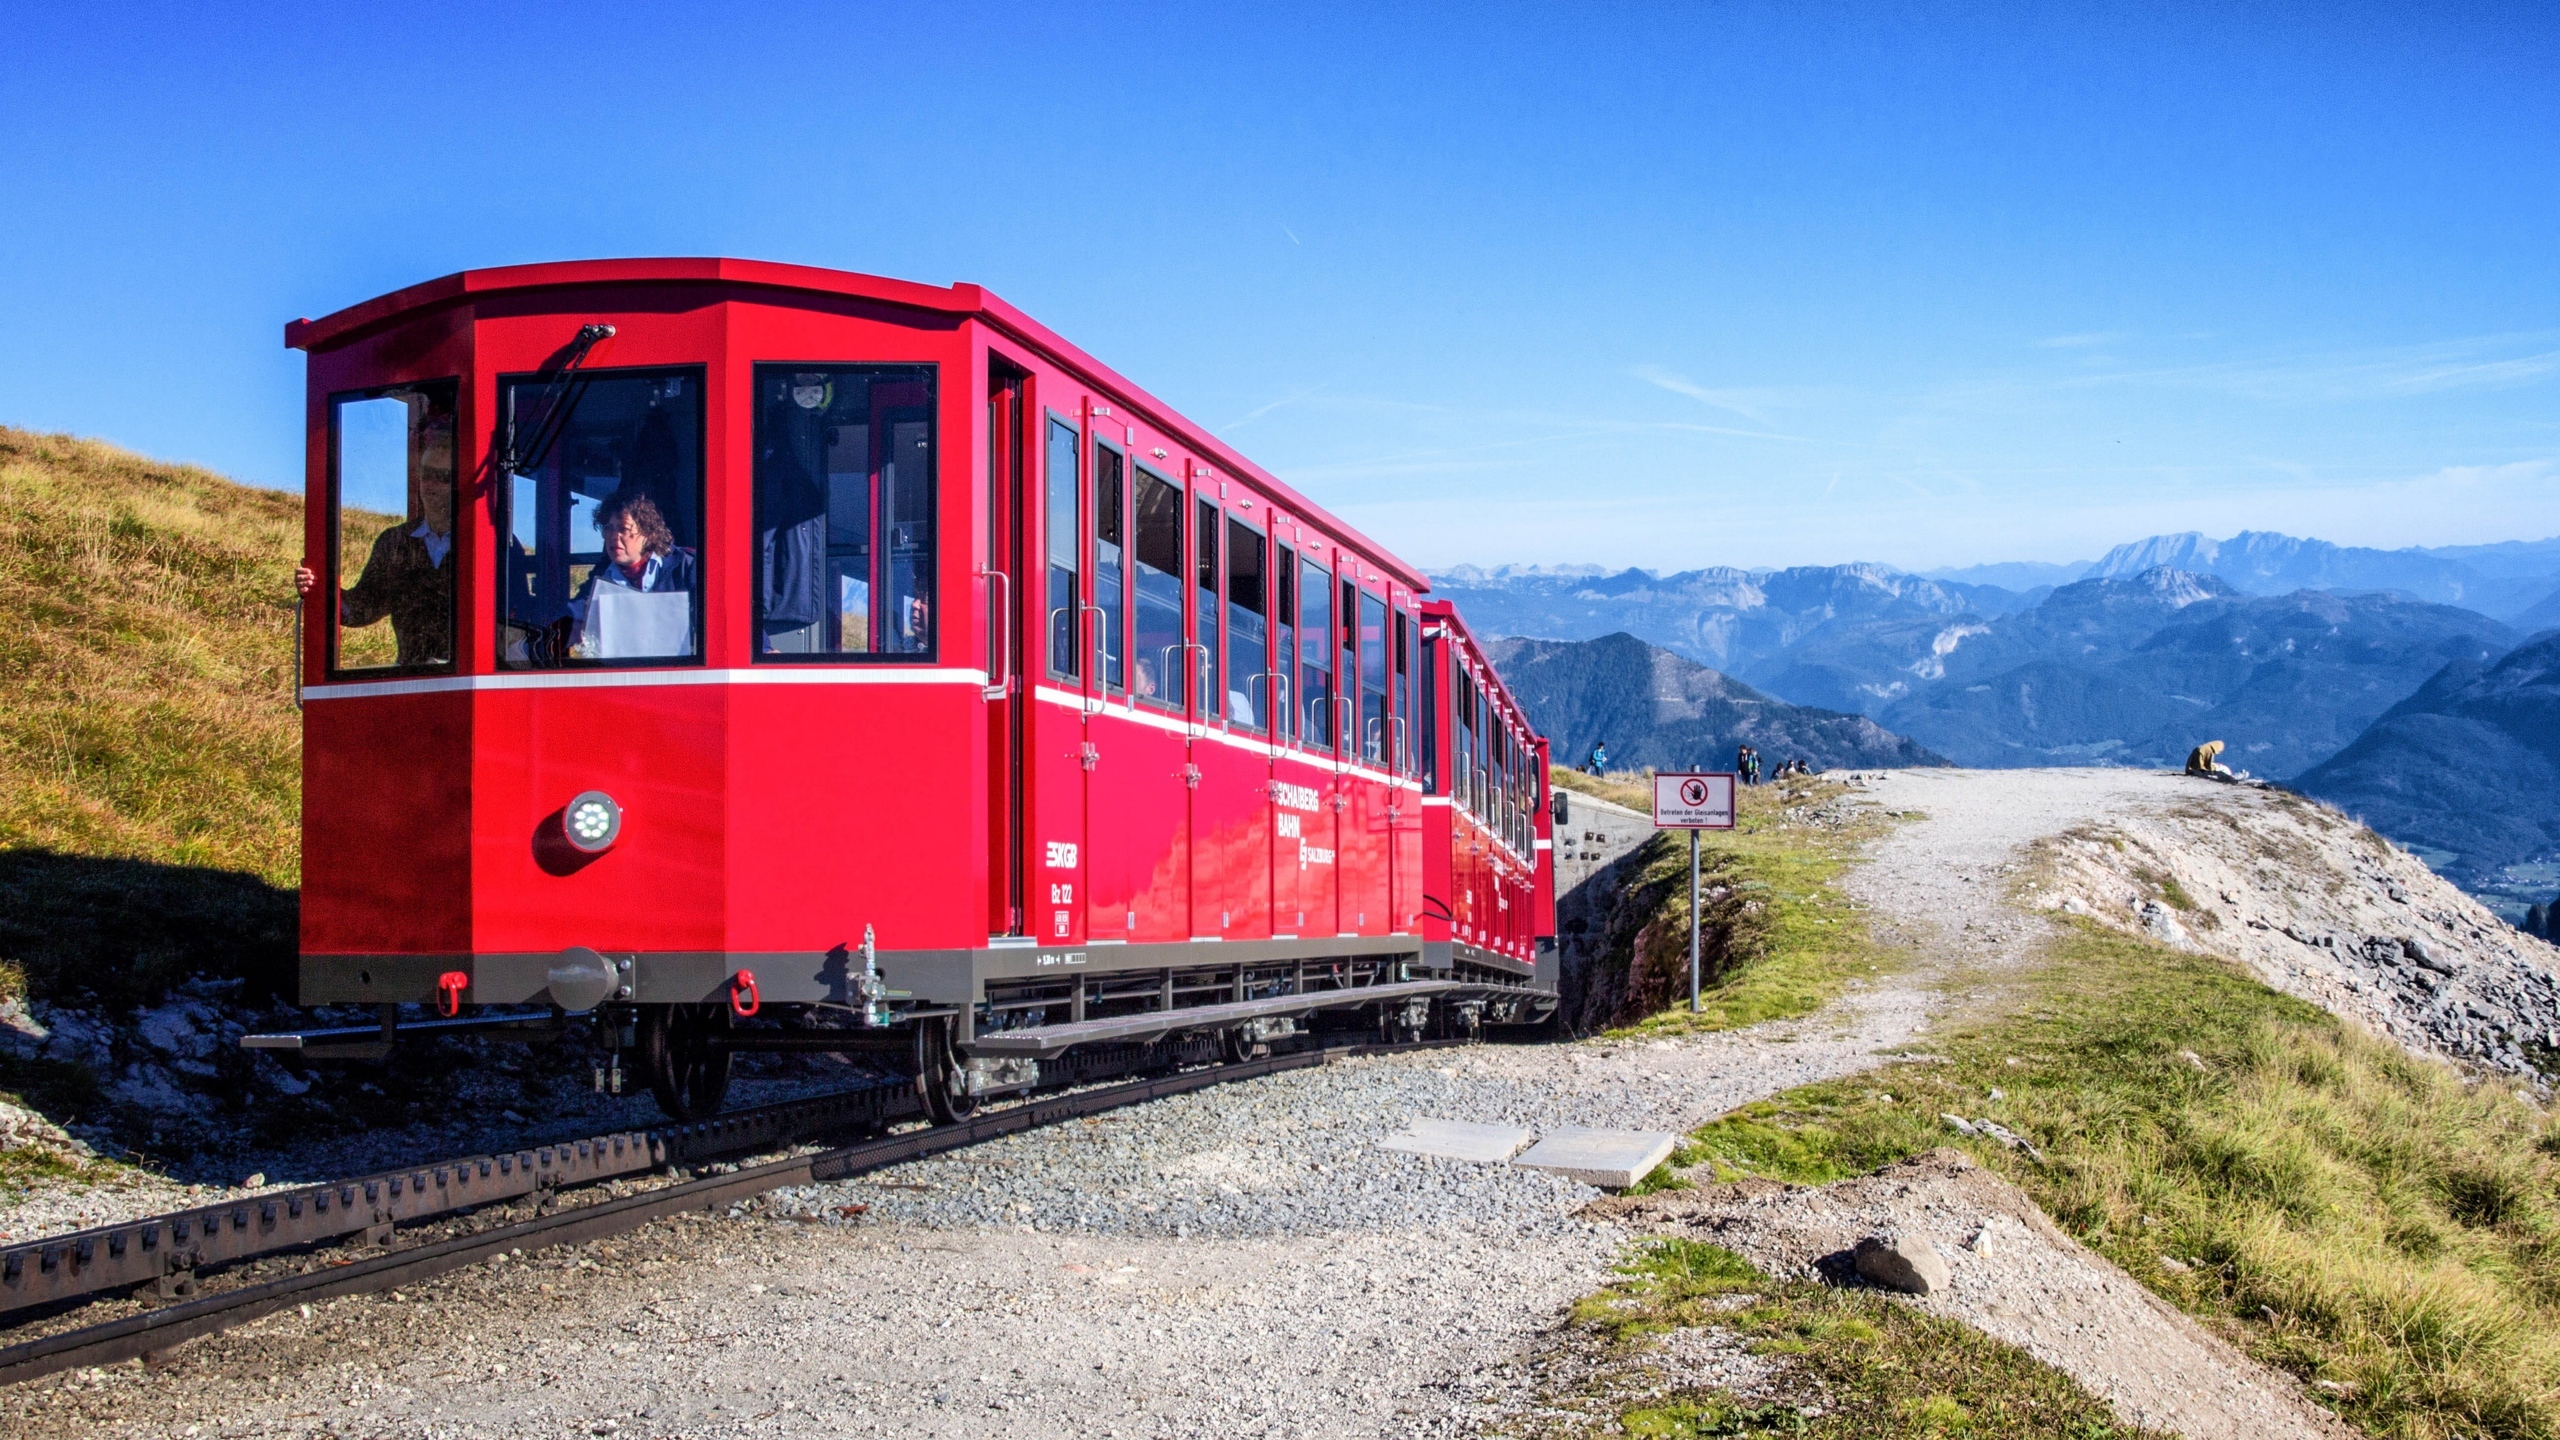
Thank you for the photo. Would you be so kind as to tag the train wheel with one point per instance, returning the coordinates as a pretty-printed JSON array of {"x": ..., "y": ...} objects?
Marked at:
[
  {"x": 942, "y": 1075},
  {"x": 689, "y": 1078}
]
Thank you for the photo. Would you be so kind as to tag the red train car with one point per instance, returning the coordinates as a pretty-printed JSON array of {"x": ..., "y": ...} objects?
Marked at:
[
  {"x": 705, "y": 645},
  {"x": 1488, "y": 842}
]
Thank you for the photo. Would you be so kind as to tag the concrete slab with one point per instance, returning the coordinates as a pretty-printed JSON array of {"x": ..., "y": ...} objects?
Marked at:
[
  {"x": 1614, "y": 1159},
  {"x": 1460, "y": 1140}
]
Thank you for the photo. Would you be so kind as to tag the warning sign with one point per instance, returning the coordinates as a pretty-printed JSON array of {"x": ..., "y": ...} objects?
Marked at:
[{"x": 1693, "y": 802}]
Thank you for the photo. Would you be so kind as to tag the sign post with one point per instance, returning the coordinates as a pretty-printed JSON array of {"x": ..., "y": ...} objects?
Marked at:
[{"x": 1693, "y": 802}]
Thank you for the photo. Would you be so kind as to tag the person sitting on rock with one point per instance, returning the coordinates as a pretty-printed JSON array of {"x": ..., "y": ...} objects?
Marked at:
[{"x": 2203, "y": 760}]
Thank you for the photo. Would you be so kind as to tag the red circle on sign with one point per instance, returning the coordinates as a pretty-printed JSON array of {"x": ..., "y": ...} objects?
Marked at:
[{"x": 1694, "y": 791}]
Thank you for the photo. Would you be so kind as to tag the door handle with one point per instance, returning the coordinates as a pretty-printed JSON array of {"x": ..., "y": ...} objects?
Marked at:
[{"x": 999, "y": 689}]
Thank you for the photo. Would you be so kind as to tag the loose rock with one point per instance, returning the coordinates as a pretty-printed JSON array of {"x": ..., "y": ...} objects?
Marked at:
[{"x": 1906, "y": 1263}]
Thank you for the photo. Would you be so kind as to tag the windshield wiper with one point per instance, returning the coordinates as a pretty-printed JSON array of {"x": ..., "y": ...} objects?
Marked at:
[{"x": 561, "y": 391}]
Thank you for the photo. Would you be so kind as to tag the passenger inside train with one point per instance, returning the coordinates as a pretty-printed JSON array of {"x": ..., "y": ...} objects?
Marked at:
[
  {"x": 635, "y": 603},
  {"x": 394, "y": 457},
  {"x": 604, "y": 518}
]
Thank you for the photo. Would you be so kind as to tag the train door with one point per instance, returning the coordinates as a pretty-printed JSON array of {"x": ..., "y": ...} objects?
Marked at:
[
  {"x": 1320, "y": 728},
  {"x": 1404, "y": 805},
  {"x": 1119, "y": 859},
  {"x": 1149, "y": 761},
  {"x": 1231, "y": 810},
  {"x": 1058, "y": 715},
  {"x": 1292, "y": 801},
  {"x": 1366, "y": 747},
  {"x": 1008, "y": 519}
]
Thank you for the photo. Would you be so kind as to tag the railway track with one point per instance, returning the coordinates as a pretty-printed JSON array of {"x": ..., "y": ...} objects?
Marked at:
[{"x": 154, "y": 1331}]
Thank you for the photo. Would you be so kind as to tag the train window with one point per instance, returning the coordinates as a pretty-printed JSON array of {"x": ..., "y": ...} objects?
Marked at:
[
  {"x": 391, "y": 527},
  {"x": 1315, "y": 656},
  {"x": 1462, "y": 739},
  {"x": 1110, "y": 542},
  {"x": 1209, "y": 618},
  {"x": 1159, "y": 611},
  {"x": 1284, "y": 641},
  {"x": 1405, "y": 719},
  {"x": 1435, "y": 702},
  {"x": 1480, "y": 758},
  {"x": 1248, "y": 651},
  {"x": 601, "y": 542},
  {"x": 844, "y": 511},
  {"x": 1064, "y": 541},
  {"x": 1375, "y": 739}
]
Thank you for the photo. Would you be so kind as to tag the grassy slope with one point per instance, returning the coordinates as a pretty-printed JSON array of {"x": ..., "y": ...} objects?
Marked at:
[
  {"x": 149, "y": 750},
  {"x": 2368, "y": 1220},
  {"x": 1780, "y": 940}
]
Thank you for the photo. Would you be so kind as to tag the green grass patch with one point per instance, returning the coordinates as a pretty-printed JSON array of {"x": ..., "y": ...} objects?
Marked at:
[
  {"x": 1631, "y": 788},
  {"x": 1865, "y": 1366},
  {"x": 2354, "y": 1214},
  {"x": 1667, "y": 1176},
  {"x": 1779, "y": 939}
]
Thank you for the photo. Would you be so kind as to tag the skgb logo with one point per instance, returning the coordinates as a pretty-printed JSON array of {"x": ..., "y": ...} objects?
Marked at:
[{"x": 1062, "y": 855}]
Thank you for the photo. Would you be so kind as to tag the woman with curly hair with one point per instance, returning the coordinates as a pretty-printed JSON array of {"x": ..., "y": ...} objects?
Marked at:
[{"x": 640, "y": 557}]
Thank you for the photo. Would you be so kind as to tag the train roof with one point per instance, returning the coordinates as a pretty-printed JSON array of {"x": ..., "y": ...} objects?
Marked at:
[
  {"x": 1446, "y": 613},
  {"x": 958, "y": 299}
]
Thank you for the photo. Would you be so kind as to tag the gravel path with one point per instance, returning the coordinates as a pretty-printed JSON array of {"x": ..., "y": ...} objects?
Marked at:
[{"x": 1939, "y": 883}]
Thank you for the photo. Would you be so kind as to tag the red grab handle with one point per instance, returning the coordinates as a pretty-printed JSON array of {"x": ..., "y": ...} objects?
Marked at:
[
  {"x": 449, "y": 988},
  {"x": 743, "y": 1000}
]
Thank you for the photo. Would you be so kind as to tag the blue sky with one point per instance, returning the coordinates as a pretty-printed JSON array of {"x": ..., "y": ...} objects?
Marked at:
[{"x": 1656, "y": 285}]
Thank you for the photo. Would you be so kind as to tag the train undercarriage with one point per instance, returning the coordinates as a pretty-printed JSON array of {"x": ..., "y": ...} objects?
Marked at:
[{"x": 1024, "y": 1035}]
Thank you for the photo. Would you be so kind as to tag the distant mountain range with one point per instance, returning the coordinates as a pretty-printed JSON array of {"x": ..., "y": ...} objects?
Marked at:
[
  {"x": 1741, "y": 620},
  {"x": 2467, "y": 768},
  {"x": 1662, "y": 711},
  {"x": 2304, "y": 655},
  {"x": 2499, "y": 580},
  {"x": 2139, "y": 670}
]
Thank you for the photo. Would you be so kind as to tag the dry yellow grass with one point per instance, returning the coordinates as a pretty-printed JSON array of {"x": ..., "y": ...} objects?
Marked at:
[{"x": 149, "y": 748}]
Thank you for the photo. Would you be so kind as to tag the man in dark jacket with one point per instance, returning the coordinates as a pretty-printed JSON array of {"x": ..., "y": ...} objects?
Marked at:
[{"x": 408, "y": 575}]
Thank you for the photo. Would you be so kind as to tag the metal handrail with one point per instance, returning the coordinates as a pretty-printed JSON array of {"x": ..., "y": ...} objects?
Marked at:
[
  {"x": 997, "y": 690},
  {"x": 1098, "y": 680},
  {"x": 1272, "y": 702}
]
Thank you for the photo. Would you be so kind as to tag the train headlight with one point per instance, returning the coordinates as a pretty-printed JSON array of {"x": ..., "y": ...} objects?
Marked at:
[{"x": 592, "y": 821}]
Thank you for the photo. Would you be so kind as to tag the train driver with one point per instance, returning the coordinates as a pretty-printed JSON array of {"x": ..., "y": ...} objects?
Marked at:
[
  {"x": 408, "y": 575},
  {"x": 641, "y": 559}
]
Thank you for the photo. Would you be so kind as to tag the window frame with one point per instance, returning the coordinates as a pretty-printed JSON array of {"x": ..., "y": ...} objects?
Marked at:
[
  {"x": 1208, "y": 631},
  {"x": 331, "y": 578},
  {"x": 1282, "y": 636},
  {"x": 1084, "y": 574},
  {"x": 1308, "y": 563},
  {"x": 1180, "y": 702},
  {"x": 503, "y": 500},
  {"x": 931, "y": 654},
  {"x": 1263, "y": 708},
  {"x": 1384, "y": 760},
  {"x": 1114, "y": 621},
  {"x": 1400, "y": 688}
]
